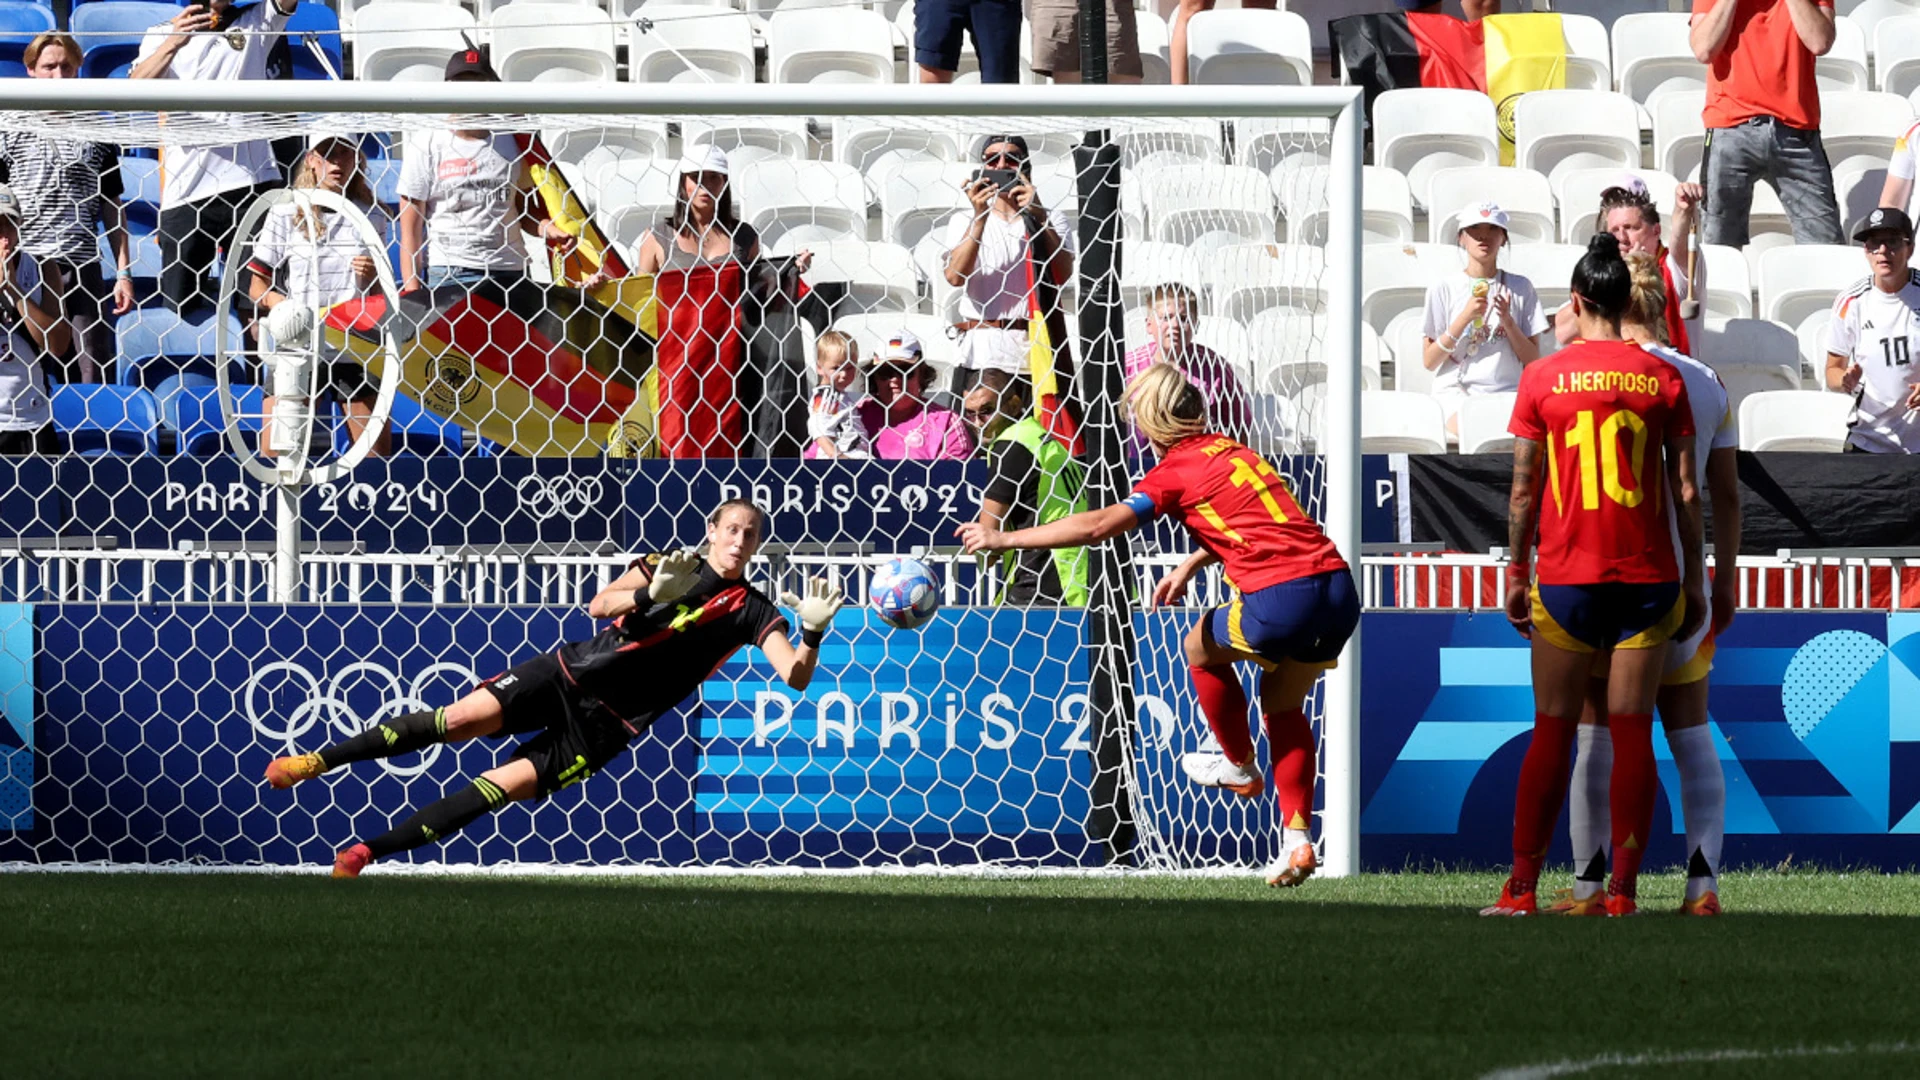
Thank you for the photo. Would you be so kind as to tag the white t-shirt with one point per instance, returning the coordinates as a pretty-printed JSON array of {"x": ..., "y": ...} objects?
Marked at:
[
  {"x": 997, "y": 288},
  {"x": 191, "y": 174},
  {"x": 468, "y": 187},
  {"x": 23, "y": 385},
  {"x": 318, "y": 268},
  {"x": 1712, "y": 417},
  {"x": 1901, "y": 163},
  {"x": 1483, "y": 360},
  {"x": 1881, "y": 332}
]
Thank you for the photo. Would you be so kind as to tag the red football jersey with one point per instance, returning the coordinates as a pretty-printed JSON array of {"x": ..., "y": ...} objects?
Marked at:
[
  {"x": 1238, "y": 507},
  {"x": 1605, "y": 411}
]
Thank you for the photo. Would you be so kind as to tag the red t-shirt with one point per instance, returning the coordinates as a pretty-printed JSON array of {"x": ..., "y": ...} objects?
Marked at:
[
  {"x": 1239, "y": 508},
  {"x": 1605, "y": 410},
  {"x": 1763, "y": 69}
]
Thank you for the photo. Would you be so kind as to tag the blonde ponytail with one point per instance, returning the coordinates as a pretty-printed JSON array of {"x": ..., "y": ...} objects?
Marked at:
[
  {"x": 1165, "y": 406},
  {"x": 1647, "y": 310}
]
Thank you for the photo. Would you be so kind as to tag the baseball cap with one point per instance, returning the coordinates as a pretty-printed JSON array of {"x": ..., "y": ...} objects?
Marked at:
[
  {"x": 1631, "y": 184},
  {"x": 1487, "y": 213},
  {"x": 902, "y": 348},
  {"x": 10, "y": 207},
  {"x": 707, "y": 158},
  {"x": 1884, "y": 219},
  {"x": 472, "y": 60}
]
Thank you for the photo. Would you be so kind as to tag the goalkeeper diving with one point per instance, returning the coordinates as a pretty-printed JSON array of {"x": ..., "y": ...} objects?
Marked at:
[{"x": 675, "y": 620}]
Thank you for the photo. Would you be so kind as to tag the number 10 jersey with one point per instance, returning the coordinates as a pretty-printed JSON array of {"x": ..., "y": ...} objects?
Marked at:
[
  {"x": 1880, "y": 331},
  {"x": 1603, "y": 412}
]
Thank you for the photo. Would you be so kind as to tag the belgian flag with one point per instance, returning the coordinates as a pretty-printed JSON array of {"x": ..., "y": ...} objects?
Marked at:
[{"x": 1502, "y": 56}]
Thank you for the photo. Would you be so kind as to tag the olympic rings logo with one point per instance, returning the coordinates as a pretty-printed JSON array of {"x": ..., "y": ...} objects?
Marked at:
[
  {"x": 566, "y": 495},
  {"x": 327, "y": 704}
]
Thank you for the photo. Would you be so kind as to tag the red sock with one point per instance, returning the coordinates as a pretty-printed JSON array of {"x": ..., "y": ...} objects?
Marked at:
[
  {"x": 1290, "y": 741},
  {"x": 1225, "y": 706},
  {"x": 1630, "y": 796},
  {"x": 1543, "y": 787}
]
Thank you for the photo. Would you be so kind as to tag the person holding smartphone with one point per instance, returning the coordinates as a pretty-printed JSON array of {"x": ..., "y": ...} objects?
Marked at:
[
  {"x": 989, "y": 248},
  {"x": 204, "y": 189}
]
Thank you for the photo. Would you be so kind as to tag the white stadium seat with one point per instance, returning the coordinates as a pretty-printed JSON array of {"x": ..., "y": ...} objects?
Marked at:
[
  {"x": 405, "y": 41},
  {"x": 1652, "y": 56},
  {"x": 1578, "y": 194},
  {"x": 1264, "y": 142},
  {"x": 1589, "y": 53},
  {"x": 1811, "y": 336},
  {"x": 1524, "y": 194},
  {"x": 1549, "y": 268},
  {"x": 1679, "y": 135},
  {"x": 1767, "y": 214},
  {"x": 1868, "y": 15},
  {"x": 693, "y": 44},
  {"x": 1252, "y": 278},
  {"x": 806, "y": 201},
  {"x": 878, "y": 275},
  {"x": 1858, "y": 186},
  {"x": 1396, "y": 422},
  {"x": 1249, "y": 47},
  {"x": 860, "y": 143},
  {"x": 1420, "y": 132},
  {"x": 1795, "y": 282},
  {"x": 1729, "y": 283},
  {"x": 1145, "y": 264},
  {"x": 1803, "y": 420},
  {"x": 1896, "y": 54},
  {"x": 1300, "y": 187},
  {"x": 1559, "y": 130},
  {"x": 1408, "y": 344},
  {"x": 1860, "y": 127},
  {"x": 1193, "y": 140},
  {"x": 553, "y": 42},
  {"x": 1155, "y": 38},
  {"x": 1386, "y": 207},
  {"x": 1290, "y": 351},
  {"x": 871, "y": 330},
  {"x": 1184, "y": 202},
  {"x": 1844, "y": 67},
  {"x": 1749, "y": 345},
  {"x": 838, "y": 45},
  {"x": 644, "y": 183},
  {"x": 917, "y": 197},
  {"x": 1483, "y": 423},
  {"x": 748, "y": 139},
  {"x": 1394, "y": 279}
]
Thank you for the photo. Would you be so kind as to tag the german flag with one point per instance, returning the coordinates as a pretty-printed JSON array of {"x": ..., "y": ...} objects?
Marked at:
[{"x": 1502, "y": 56}]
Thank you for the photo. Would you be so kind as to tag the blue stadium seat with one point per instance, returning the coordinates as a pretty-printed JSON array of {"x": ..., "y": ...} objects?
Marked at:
[
  {"x": 196, "y": 412},
  {"x": 156, "y": 343},
  {"x": 383, "y": 176},
  {"x": 20, "y": 21},
  {"x": 99, "y": 419},
  {"x": 140, "y": 176},
  {"x": 320, "y": 21},
  {"x": 415, "y": 431},
  {"x": 110, "y": 31},
  {"x": 168, "y": 392}
]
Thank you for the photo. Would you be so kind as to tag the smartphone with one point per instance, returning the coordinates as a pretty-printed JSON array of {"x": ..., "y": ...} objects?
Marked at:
[{"x": 1004, "y": 179}]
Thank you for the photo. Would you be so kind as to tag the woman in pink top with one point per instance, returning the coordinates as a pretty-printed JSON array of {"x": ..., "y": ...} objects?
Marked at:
[{"x": 904, "y": 426}]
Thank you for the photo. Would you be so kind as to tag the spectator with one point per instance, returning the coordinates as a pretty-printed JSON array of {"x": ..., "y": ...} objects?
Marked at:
[
  {"x": 999, "y": 250},
  {"x": 904, "y": 423},
  {"x": 1056, "y": 41},
  {"x": 204, "y": 190},
  {"x": 311, "y": 259},
  {"x": 1033, "y": 481},
  {"x": 465, "y": 196},
  {"x": 940, "y": 27},
  {"x": 1483, "y": 325},
  {"x": 834, "y": 429},
  {"x": 32, "y": 324},
  {"x": 1475, "y": 10},
  {"x": 1763, "y": 114},
  {"x": 1873, "y": 336},
  {"x": 1177, "y": 31},
  {"x": 1627, "y": 211},
  {"x": 1898, "y": 190},
  {"x": 1172, "y": 313},
  {"x": 68, "y": 191}
]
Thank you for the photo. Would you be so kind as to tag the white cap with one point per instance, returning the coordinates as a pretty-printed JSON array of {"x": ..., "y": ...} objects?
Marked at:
[
  {"x": 1487, "y": 213},
  {"x": 707, "y": 158},
  {"x": 902, "y": 346},
  {"x": 1632, "y": 184},
  {"x": 10, "y": 206}
]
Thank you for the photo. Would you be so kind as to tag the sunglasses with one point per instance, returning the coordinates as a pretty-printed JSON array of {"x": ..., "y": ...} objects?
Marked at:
[
  {"x": 1890, "y": 243},
  {"x": 981, "y": 414},
  {"x": 1002, "y": 159}
]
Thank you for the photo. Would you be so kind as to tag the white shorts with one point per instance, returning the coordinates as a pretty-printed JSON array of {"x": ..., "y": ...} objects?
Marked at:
[{"x": 1689, "y": 661}]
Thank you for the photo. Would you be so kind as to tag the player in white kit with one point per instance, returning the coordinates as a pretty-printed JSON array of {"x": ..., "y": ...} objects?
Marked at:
[
  {"x": 1683, "y": 691},
  {"x": 1874, "y": 336}
]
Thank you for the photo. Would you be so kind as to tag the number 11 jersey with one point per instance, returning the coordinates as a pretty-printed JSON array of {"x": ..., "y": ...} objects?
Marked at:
[{"x": 1603, "y": 412}]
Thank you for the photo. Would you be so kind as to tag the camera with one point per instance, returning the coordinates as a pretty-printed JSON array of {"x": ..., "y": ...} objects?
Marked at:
[{"x": 1004, "y": 179}]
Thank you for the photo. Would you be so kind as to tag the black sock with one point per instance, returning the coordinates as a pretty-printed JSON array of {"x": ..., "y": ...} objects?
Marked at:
[
  {"x": 400, "y": 735},
  {"x": 440, "y": 819}
]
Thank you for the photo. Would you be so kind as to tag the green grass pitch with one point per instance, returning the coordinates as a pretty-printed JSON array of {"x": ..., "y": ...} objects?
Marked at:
[{"x": 1383, "y": 975}]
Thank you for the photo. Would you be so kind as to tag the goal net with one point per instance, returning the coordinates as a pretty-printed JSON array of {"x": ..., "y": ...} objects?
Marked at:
[{"x": 556, "y": 326}]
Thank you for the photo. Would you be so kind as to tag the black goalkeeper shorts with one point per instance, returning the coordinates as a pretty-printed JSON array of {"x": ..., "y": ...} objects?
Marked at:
[{"x": 577, "y": 735}]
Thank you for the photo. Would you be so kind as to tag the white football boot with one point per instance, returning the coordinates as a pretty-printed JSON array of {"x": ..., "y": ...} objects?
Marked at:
[{"x": 1214, "y": 770}]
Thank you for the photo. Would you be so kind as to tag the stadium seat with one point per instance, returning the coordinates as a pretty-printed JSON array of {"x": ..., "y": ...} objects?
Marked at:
[
  {"x": 1145, "y": 264},
  {"x": 1249, "y": 47},
  {"x": 1395, "y": 422},
  {"x": 1405, "y": 338},
  {"x": 1896, "y": 54},
  {"x": 1420, "y": 132},
  {"x": 103, "y": 419},
  {"x": 1288, "y": 350},
  {"x": 861, "y": 143},
  {"x": 1186, "y": 201},
  {"x": 1811, "y": 336},
  {"x": 1483, "y": 423},
  {"x": 1154, "y": 36},
  {"x": 155, "y": 343},
  {"x": 1858, "y": 128},
  {"x": 1394, "y": 278},
  {"x": 1264, "y": 142},
  {"x": 1652, "y": 56},
  {"x": 1556, "y": 131},
  {"x": 1858, "y": 188},
  {"x": 553, "y": 42},
  {"x": 917, "y": 196},
  {"x": 809, "y": 201},
  {"x": 1252, "y": 278},
  {"x": 1386, "y": 210},
  {"x": 414, "y": 430},
  {"x": 202, "y": 432},
  {"x": 747, "y": 139},
  {"x": 1869, "y": 14},
  {"x": 870, "y": 331},
  {"x": 316, "y": 23},
  {"x": 111, "y": 31},
  {"x": 1194, "y": 140},
  {"x": 1679, "y": 135},
  {"x": 1608, "y": 12},
  {"x": 591, "y": 148},
  {"x": 1549, "y": 267},
  {"x": 877, "y": 275},
  {"x": 1799, "y": 420},
  {"x": 20, "y": 23},
  {"x": 1729, "y": 285},
  {"x": 1524, "y": 194},
  {"x": 1749, "y": 344},
  {"x": 407, "y": 40},
  {"x": 1844, "y": 67},
  {"x": 1578, "y": 194},
  {"x": 1794, "y": 282},
  {"x": 691, "y": 43},
  {"x": 829, "y": 46},
  {"x": 632, "y": 195},
  {"x": 1589, "y": 53}
]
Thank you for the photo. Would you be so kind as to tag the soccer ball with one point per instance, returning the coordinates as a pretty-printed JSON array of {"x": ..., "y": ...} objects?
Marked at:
[{"x": 905, "y": 593}]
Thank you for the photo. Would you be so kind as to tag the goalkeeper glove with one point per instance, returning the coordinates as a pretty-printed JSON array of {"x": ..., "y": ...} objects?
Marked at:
[
  {"x": 675, "y": 574},
  {"x": 816, "y": 610}
]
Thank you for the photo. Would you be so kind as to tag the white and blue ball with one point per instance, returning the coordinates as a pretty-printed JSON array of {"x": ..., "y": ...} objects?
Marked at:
[{"x": 904, "y": 593}]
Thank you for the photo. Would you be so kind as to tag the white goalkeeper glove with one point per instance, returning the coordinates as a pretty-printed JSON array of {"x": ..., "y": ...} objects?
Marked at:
[
  {"x": 291, "y": 324},
  {"x": 816, "y": 610},
  {"x": 675, "y": 574}
]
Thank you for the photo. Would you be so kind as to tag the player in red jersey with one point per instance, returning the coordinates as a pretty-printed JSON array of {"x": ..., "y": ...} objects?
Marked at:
[
  {"x": 1611, "y": 418},
  {"x": 1294, "y": 604}
]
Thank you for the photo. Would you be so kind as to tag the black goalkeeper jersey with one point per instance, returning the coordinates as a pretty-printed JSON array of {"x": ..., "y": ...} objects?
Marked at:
[{"x": 651, "y": 659}]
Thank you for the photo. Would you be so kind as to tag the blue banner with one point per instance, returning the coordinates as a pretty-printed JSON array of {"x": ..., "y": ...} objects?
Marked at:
[{"x": 16, "y": 718}]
